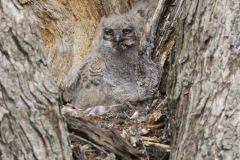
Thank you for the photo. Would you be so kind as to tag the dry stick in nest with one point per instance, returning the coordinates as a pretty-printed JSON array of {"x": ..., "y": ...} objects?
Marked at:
[
  {"x": 108, "y": 139},
  {"x": 72, "y": 136}
]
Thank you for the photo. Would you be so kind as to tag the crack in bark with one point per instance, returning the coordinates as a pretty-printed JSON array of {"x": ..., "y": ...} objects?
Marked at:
[{"x": 20, "y": 48}]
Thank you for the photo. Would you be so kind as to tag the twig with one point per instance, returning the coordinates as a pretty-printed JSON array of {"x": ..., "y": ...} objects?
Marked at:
[
  {"x": 155, "y": 126},
  {"x": 162, "y": 104},
  {"x": 89, "y": 142},
  {"x": 158, "y": 145},
  {"x": 149, "y": 139}
]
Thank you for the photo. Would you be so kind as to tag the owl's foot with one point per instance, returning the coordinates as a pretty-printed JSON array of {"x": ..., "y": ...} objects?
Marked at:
[
  {"x": 97, "y": 110},
  {"x": 101, "y": 110}
]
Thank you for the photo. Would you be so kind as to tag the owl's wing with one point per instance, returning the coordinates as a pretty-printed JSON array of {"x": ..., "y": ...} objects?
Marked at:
[
  {"x": 71, "y": 89},
  {"x": 89, "y": 73}
]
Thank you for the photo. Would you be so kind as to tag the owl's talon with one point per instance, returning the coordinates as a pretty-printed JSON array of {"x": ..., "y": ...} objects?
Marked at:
[{"x": 97, "y": 110}]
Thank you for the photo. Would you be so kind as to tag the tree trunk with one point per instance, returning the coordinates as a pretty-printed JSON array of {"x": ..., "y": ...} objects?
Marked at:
[
  {"x": 31, "y": 126},
  {"x": 204, "y": 84}
]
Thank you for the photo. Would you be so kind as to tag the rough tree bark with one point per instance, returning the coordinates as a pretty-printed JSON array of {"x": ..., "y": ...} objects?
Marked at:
[
  {"x": 31, "y": 126},
  {"x": 205, "y": 81}
]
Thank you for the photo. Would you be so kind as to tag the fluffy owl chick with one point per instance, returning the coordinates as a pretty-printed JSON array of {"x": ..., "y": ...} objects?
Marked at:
[
  {"x": 117, "y": 71},
  {"x": 119, "y": 45}
]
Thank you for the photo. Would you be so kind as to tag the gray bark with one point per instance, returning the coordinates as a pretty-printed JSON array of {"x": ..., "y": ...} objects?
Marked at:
[
  {"x": 31, "y": 126},
  {"x": 204, "y": 83}
]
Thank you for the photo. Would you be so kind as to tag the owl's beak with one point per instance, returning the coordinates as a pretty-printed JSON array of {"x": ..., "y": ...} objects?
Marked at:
[{"x": 117, "y": 38}]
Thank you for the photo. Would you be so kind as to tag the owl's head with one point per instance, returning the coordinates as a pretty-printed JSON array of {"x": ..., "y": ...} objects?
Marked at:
[{"x": 120, "y": 32}]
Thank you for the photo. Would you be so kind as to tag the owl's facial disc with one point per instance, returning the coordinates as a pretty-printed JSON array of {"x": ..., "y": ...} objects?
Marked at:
[{"x": 121, "y": 39}]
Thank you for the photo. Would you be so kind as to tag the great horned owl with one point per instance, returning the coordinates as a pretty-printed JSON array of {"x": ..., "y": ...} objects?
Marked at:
[
  {"x": 117, "y": 70},
  {"x": 129, "y": 72},
  {"x": 119, "y": 47}
]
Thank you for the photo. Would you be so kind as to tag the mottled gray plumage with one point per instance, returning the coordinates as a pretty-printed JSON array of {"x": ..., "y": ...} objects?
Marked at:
[{"x": 117, "y": 70}]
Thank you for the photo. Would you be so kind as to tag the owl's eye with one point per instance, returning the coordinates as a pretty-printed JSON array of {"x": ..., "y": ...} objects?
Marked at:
[
  {"x": 108, "y": 32},
  {"x": 127, "y": 31}
]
